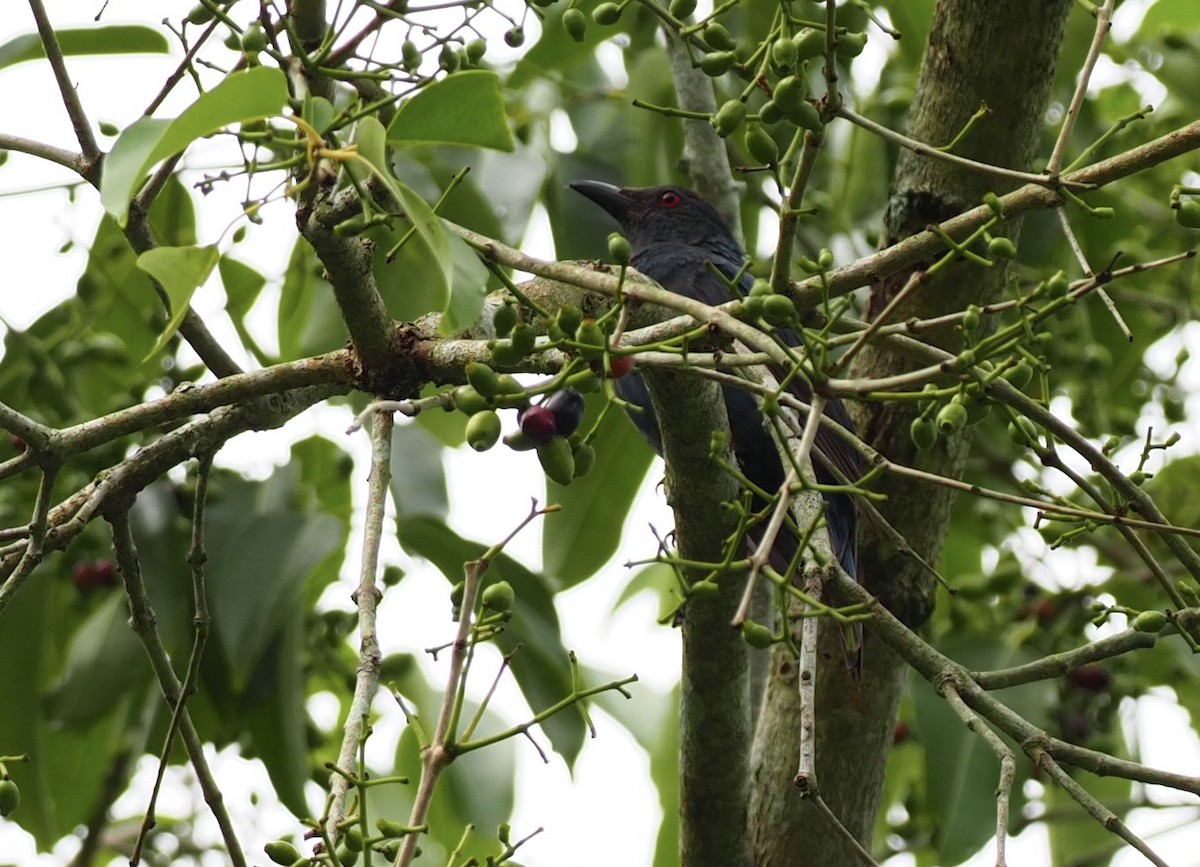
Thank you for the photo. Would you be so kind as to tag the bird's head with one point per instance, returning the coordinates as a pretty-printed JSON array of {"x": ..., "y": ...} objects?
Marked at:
[{"x": 656, "y": 215}]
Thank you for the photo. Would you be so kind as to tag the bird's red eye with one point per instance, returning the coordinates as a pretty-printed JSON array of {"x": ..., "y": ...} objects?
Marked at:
[{"x": 669, "y": 199}]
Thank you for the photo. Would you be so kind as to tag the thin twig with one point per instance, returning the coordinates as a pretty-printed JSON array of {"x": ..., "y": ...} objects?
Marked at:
[
  {"x": 922, "y": 149},
  {"x": 201, "y": 619},
  {"x": 366, "y": 597},
  {"x": 70, "y": 97},
  {"x": 143, "y": 620},
  {"x": 1007, "y": 766},
  {"x": 1103, "y": 23}
]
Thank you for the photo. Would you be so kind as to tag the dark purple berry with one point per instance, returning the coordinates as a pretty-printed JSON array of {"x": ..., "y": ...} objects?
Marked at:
[
  {"x": 538, "y": 424},
  {"x": 567, "y": 406}
]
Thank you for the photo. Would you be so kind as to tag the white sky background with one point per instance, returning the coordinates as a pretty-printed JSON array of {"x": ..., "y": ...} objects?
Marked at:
[{"x": 608, "y": 813}]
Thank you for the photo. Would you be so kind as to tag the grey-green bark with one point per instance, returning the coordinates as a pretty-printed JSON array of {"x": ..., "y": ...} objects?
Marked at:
[
  {"x": 1004, "y": 55},
  {"x": 714, "y": 725}
]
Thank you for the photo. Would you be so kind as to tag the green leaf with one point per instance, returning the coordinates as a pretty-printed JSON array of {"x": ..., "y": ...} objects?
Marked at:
[
  {"x": 115, "y": 39},
  {"x": 418, "y": 480},
  {"x": 309, "y": 320},
  {"x": 584, "y": 535},
  {"x": 180, "y": 271},
  {"x": 242, "y": 287},
  {"x": 277, "y": 726},
  {"x": 260, "y": 555},
  {"x": 242, "y": 96},
  {"x": 464, "y": 109},
  {"x": 468, "y": 289},
  {"x": 105, "y": 663}
]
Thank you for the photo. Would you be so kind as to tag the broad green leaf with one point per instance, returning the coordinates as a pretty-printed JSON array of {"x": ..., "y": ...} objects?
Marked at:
[
  {"x": 260, "y": 554},
  {"x": 275, "y": 714},
  {"x": 114, "y": 39},
  {"x": 309, "y": 320},
  {"x": 540, "y": 666},
  {"x": 105, "y": 662},
  {"x": 242, "y": 96},
  {"x": 418, "y": 480},
  {"x": 468, "y": 289},
  {"x": 464, "y": 109},
  {"x": 180, "y": 271},
  {"x": 242, "y": 287},
  {"x": 584, "y": 535}
]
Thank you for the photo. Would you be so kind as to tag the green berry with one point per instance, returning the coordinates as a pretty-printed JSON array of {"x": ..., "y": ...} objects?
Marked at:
[
  {"x": 469, "y": 401},
  {"x": 682, "y": 8},
  {"x": 789, "y": 93},
  {"x": 952, "y": 417},
  {"x": 606, "y": 14},
  {"x": 475, "y": 49},
  {"x": 761, "y": 146},
  {"x": 448, "y": 58},
  {"x": 995, "y": 205},
  {"x": 923, "y": 432},
  {"x": 778, "y": 309},
  {"x": 483, "y": 430},
  {"x": 390, "y": 828},
  {"x": 717, "y": 63},
  {"x": 10, "y": 797},
  {"x": 1019, "y": 374},
  {"x": 729, "y": 117},
  {"x": 809, "y": 43},
  {"x": 971, "y": 317},
  {"x": 354, "y": 837},
  {"x": 770, "y": 112},
  {"x": 807, "y": 117},
  {"x": 410, "y": 55},
  {"x": 757, "y": 635},
  {"x": 1188, "y": 214},
  {"x": 569, "y": 319},
  {"x": 254, "y": 40},
  {"x": 575, "y": 23},
  {"x": 761, "y": 288},
  {"x": 851, "y": 45},
  {"x": 585, "y": 459},
  {"x": 498, "y": 596},
  {"x": 515, "y": 37},
  {"x": 557, "y": 459},
  {"x": 504, "y": 319},
  {"x": 784, "y": 54},
  {"x": 282, "y": 852},
  {"x": 1149, "y": 621},
  {"x": 199, "y": 15},
  {"x": 1002, "y": 248},
  {"x": 1058, "y": 285},
  {"x": 591, "y": 335},
  {"x": 619, "y": 249},
  {"x": 524, "y": 338},
  {"x": 718, "y": 37},
  {"x": 483, "y": 379}
]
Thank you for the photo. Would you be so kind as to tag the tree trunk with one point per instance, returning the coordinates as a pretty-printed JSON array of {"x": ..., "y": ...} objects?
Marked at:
[{"x": 1003, "y": 55}]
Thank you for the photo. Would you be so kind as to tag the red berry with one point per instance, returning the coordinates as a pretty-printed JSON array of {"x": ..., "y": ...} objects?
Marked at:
[
  {"x": 619, "y": 365},
  {"x": 18, "y": 443},
  {"x": 900, "y": 734},
  {"x": 1092, "y": 678},
  {"x": 90, "y": 576},
  {"x": 538, "y": 424}
]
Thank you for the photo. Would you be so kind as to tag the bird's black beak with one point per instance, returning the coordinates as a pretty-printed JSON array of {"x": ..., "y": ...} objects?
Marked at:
[{"x": 612, "y": 199}]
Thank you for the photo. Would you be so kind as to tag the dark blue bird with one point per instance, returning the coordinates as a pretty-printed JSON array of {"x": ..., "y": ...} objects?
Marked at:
[{"x": 674, "y": 234}]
